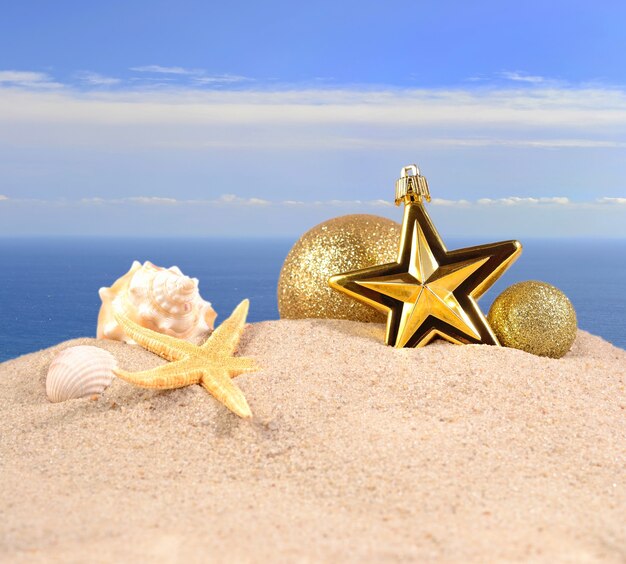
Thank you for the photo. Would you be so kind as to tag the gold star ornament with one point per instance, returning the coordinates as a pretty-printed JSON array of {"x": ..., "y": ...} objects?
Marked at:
[
  {"x": 212, "y": 365},
  {"x": 429, "y": 291}
]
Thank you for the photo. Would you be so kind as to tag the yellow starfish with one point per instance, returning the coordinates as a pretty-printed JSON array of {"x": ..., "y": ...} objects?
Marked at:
[{"x": 212, "y": 364}]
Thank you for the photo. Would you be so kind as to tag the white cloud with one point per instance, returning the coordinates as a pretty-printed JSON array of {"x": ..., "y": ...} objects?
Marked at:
[
  {"x": 95, "y": 79},
  {"x": 257, "y": 202},
  {"x": 519, "y": 76},
  {"x": 148, "y": 200},
  {"x": 152, "y": 200},
  {"x": 531, "y": 143},
  {"x": 566, "y": 143},
  {"x": 539, "y": 117},
  {"x": 337, "y": 203},
  {"x": 141, "y": 200},
  {"x": 226, "y": 199},
  {"x": 303, "y": 147},
  {"x": 27, "y": 79},
  {"x": 233, "y": 215},
  {"x": 561, "y": 200},
  {"x": 96, "y": 201},
  {"x": 234, "y": 200},
  {"x": 220, "y": 79},
  {"x": 380, "y": 204},
  {"x": 22, "y": 76},
  {"x": 607, "y": 200},
  {"x": 533, "y": 116},
  {"x": 2, "y": 197},
  {"x": 444, "y": 202},
  {"x": 158, "y": 69},
  {"x": 198, "y": 77},
  {"x": 516, "y": 200}
]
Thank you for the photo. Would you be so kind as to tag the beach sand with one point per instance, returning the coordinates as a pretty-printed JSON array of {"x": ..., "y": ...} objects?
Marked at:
[{"x": 357, "y": 452}]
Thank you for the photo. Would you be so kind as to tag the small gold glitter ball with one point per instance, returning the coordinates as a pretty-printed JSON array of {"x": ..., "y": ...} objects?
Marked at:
[
  {"x": 534, "y": 317},
  {"x": 339, "y": 245}
]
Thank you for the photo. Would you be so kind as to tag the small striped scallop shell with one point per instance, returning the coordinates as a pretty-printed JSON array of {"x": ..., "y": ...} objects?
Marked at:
[{"x": 78, "y": 372}]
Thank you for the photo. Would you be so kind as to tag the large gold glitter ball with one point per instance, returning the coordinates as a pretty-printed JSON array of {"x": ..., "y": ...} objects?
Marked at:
[
  {"x": 534, "y": 317},
  {"x": 345, "y": 243}
]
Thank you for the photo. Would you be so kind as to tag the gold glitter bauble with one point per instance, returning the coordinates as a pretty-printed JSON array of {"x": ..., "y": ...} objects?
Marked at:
[
  {"x": 345, "y": 243},
  {"x": 534, "y": 317}
]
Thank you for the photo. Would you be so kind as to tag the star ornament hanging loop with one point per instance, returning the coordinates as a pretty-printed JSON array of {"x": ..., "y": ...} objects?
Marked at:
[{"x": 429, "y": 291}]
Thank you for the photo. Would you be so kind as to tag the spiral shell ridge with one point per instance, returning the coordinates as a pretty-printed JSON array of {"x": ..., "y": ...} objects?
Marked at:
[{"x": 161, "y": 299}]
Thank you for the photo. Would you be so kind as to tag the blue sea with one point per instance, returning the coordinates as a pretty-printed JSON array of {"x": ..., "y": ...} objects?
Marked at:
[{"x": 49, "y": 286}]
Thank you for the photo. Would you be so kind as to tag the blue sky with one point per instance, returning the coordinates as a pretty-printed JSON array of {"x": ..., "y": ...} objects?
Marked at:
[{"x": 239, "y": 118}]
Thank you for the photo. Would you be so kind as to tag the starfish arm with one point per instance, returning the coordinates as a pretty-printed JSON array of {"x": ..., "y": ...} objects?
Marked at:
[
  {"x": 166, "y": 377},
  {"x": 226, "y": 337},
  {"x": 218, "y": 383},
  {"x": 165, "y": 346},
  {"x": 240, "y": 365}
]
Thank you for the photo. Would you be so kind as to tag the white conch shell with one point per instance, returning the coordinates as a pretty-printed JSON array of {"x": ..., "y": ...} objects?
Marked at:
[
  {"x": 78, "y": 372},
  {"x": 161, "y": 299}
]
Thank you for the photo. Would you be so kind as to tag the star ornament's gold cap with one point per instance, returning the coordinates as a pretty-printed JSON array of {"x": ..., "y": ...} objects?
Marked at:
[{"x": 411, "y": 187}]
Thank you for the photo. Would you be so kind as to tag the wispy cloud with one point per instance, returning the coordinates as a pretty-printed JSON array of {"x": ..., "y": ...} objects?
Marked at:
[
  {"x": 152, "y": 200},
  {"x": 235, "y": 201},
  {"x": 516, "y": 201},
  {"x": 531, "y": 143},
  {"x": 27, "y": 79},
  {"x": 176, "y": 147},
  {"x": 158, "y": 69},
  {"x": 95, "y": 79},
  {"x": 225, "y": 199},
  {"x": 616, "y": 201},
  {"x": 540, "y": 108},
  {"x": 232, "y": 199},
  {"x": 518, "y": 76},
  {"x": 2, "y": 197},
  {"x": 189, "y": 77},
  {"x": 144, "y": 200},
  {"x": 221, "y": 79},
  {"x": 450, "y": 203},
  {"x": 233, "y": 215},
  {"x": 22, "y": 77},
  {"x": 406, "y": 121}
]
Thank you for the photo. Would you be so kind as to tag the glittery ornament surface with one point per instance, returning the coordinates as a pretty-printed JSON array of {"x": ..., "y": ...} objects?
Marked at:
[
  {"x": 534, "y": 317},
  {"x": 341, "y": 244}
]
